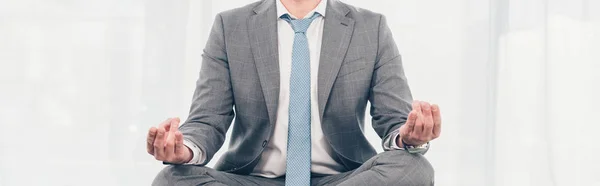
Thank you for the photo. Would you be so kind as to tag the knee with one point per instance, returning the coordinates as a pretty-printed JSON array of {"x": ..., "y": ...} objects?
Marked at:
[
  {"x": 422, "y": 172},
  {"x": 172, "y": 174},
  {"x": 407, "y": 169}
]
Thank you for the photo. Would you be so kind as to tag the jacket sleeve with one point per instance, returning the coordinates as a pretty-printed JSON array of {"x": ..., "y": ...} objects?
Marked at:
[
  {"x": 212, "y": 111},
  {"x": 390, "y": 95}
]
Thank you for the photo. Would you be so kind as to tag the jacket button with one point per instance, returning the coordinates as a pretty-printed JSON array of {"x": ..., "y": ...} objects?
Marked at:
[{"x": 264, "y": 143}]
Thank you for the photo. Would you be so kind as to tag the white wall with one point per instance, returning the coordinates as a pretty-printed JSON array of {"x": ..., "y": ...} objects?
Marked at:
[{"x": 517, "y": 81}]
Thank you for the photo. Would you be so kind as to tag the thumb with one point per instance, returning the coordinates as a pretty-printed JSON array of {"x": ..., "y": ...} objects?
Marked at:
[
  {"x": 408, "y": 127},
  {"x": 179, "y": 146},
  {"x": 182, "y": 151}
]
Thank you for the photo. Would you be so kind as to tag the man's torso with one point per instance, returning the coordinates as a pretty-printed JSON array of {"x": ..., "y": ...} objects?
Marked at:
[{"x": 347, "y": 57}]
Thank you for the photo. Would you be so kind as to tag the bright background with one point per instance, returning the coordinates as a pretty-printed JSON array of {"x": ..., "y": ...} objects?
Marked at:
[{"x": 81, "y": 81}]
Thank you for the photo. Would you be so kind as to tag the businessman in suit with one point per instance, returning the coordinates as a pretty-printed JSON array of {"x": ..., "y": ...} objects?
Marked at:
[{"x": 297, "y": 76}]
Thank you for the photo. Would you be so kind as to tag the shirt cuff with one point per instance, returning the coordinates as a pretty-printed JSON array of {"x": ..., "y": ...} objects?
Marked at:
[
  {"x": 197, "y": 156},
  {"x": 391, "y": 142}
]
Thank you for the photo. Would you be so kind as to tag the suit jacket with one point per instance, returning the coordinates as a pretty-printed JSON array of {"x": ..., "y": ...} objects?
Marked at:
[{"x": 239, "y": 78}]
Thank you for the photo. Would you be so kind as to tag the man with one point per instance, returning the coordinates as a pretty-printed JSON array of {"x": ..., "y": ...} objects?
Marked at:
[{"x": 299, "y": 74}]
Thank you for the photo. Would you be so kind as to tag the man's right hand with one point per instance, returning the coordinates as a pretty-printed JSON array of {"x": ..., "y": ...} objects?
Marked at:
[{"x": 165, "y": 143}]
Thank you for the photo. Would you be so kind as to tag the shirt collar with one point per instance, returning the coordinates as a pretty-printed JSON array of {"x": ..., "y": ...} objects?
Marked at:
[{"x": 321, "y": 7}]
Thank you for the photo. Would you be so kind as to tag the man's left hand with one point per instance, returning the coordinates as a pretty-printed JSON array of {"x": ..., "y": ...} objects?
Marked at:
[{"x": 424, "y": 124}]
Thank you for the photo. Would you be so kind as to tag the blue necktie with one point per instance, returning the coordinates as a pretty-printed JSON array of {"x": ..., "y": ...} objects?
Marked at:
[{"x": 299, "y": 146}]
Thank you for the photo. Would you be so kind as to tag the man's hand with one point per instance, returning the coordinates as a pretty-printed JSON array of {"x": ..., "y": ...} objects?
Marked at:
[
  {"x": 165, "y": 143},
  {"x": 423, "y": 125}
]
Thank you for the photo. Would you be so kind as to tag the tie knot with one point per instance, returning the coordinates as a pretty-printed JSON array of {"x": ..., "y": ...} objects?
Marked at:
[{"x": 299, "y": 25}]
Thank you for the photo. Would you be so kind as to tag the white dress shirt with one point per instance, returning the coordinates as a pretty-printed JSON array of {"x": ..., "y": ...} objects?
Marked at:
[{"x": 273, "y": 159}]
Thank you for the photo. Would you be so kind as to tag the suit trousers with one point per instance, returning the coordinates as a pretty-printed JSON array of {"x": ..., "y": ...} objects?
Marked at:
[{"x": 387, "y": 168}]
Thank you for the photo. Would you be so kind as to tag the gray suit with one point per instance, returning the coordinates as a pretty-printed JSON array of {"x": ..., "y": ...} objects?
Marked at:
[{"x": 240, "y": 69}]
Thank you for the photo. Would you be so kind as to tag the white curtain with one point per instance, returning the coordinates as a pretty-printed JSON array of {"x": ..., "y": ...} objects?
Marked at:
[{"x": 517, "y": 81}]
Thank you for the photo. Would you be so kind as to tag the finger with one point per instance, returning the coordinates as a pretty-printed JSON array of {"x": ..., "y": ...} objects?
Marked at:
[
  {"x": 416, "y": 106},
  {"x": 159, "y": 144},
  {"x": 174, "y": 124},
  {"x": 170, "y": 145},
  {"x": 427, "y": 121},
  {"x": 418, "y": 129},
  {"x": 150, "y": 140},
  {"x": 166, "y": 124},
  {"x": 170, "y": 148},
  {"x": 437, "y": 120}
]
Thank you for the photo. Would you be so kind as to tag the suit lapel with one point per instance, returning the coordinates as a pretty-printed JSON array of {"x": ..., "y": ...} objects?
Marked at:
[
  {"x": 262, "y": 28},
  {"x": 337, "y": 33}
]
